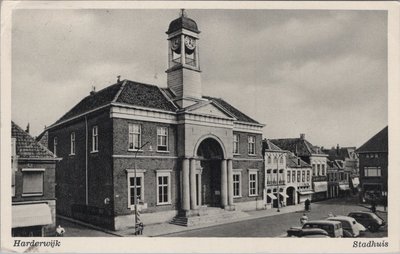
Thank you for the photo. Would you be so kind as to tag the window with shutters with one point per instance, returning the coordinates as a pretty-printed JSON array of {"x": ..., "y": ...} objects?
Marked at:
[{"x": 32, "y": 182}]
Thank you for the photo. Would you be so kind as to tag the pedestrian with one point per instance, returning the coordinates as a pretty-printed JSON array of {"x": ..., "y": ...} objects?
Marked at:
[
  {"x": 307, "y": 205},
  {"x": 141, "y": 227},
  {"x": 303, "y": 219},
  {"x": 60, "y": 231}
]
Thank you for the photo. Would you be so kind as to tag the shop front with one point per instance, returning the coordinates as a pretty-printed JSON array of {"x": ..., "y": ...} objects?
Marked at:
[{"x": 28, "y": 220}]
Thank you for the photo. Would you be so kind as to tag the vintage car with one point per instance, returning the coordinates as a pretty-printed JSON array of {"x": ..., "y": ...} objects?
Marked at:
[
  {"x": 368, "y": 219},
  {"x": 307, "y": 233},
  {"x": 351, "y": 228}
]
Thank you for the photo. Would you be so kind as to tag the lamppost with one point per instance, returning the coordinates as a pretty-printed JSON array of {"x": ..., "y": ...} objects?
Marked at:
[
  {"x": 134, "y": 183},
  {"x": 277, "y": 178}
]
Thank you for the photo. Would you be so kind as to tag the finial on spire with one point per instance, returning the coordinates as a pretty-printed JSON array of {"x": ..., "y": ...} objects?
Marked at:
[{"x": 183, "y": 13}]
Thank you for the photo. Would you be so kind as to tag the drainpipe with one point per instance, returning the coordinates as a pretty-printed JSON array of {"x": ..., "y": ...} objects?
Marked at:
[{"x": 86, "y": 162}]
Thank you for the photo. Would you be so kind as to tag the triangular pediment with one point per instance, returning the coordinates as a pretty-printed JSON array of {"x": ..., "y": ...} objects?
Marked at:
[{"x": 209, "y": 109}]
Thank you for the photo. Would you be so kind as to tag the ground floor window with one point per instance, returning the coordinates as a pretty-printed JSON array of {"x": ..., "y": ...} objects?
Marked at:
[
  {"x": 139, "y": 181},
  {"x": 372, "y": 171},
  {"x": 236, "y": 185},
  {"x": 163, "y": 187},
  {"x": 253, "y": 184}
]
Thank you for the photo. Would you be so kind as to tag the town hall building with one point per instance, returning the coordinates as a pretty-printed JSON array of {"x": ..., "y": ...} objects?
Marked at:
[{"x": 184, "y": 154}]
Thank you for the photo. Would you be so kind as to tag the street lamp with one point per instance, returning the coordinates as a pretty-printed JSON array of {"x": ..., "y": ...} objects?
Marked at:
[
  {"x": 134, "y": 183},
  {"x": 277, "y": 178}
]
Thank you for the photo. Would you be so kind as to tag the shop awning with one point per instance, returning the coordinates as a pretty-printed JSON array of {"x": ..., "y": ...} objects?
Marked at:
[
  {"x": 305, "y": 192},
  {"x": 320, "y": 186},
  {"x": 284, "y": 195},
  {"x": 31, "y": 215},
  {"x": 356, "y": 182},
  {"x": 344, "y": 187},
  {"x": 272, "y": 196}
]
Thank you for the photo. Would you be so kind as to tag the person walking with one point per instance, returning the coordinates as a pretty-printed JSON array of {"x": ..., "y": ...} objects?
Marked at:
[
  {"x": 373, "y": 207},
  {"x": 60, "y": 231},
  {"x": 307, "y": 205},
  {"x": 303, "y": 219}
]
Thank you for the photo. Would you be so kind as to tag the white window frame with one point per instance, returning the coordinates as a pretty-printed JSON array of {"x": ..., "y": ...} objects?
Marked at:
[
  {"x": 95, "y": 139},
  {"x": 164, "y": 173},
  {"x": 288, "y": 176},
  {"x": 251, "y": 145},
  {"x": 131, "y": 174},
  {"x": 132, "y": 134},
  {"x": 253, "y": 172},
  {"x": 159, "y": 134},
  {"x": 55, "y": 142},
  {"x": 240, "y": 184},
  {"x": 72, "y": 143},
  {"x": 236, "y": 141},
  {"x": 27, "y": 194}
]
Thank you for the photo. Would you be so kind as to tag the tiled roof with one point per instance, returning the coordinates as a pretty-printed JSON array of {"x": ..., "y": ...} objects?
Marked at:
[
  {"x": 378, "y": 143},
  {"x": 339, "y": 154},
  {"x": 93, "y": 101},
  {"x": 27, "y": 146},
  {"x": 43, "y": 138},
  {"x": 292, "y": 162},
  {"x": 268, "y": 145},
  {"x": 144, "y": 95},
  {"x": 298, "y": 146},
  {"x": 234, "y": 111}
]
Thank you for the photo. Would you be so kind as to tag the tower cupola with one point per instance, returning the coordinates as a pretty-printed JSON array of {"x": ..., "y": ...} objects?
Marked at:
[{"x": 183, "y": 73}]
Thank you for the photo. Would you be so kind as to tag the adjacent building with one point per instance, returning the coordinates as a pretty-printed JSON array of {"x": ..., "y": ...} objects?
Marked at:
[
  {"x": 33, "y": 186},
  {"x": 180, "y": 151},
  {"x": 313, "y": 156},
  {"x": 287, "y": 173},
  {"x": 373, "y": 156}
]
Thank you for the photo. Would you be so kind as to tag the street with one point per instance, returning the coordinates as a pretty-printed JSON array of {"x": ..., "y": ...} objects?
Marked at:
[
  {"x": 276, "y": 226},
  {"x": 76, "y": 230}
]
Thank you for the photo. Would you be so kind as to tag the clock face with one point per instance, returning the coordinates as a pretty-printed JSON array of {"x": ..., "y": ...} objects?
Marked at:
[
  {"x": 176, "y": 44},
  {"x": 190, "y": 42}
]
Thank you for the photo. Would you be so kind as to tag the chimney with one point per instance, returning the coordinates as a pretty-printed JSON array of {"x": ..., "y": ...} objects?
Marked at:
[
  {"x": 27, "y": 128},
  {"x": 337, "y": 149},
  {"x": 302, "y": 136},
  {"x": 93, "y": 90},
  {"x": 118, "y": 78}
]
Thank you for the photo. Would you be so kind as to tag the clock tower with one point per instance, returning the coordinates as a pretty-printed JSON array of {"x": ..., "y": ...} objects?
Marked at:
[{"x": 183, "y": 74}]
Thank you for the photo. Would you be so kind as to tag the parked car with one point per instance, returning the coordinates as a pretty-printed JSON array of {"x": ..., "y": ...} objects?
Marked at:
[
  {"x": 307, "y": 233},
  {"x": 368, "y": 219},
  {"x": 333, "y": 228},
  {"x": 351, "y": 228}
]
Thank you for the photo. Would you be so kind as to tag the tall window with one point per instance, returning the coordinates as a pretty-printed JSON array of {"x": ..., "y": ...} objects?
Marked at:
[
  {"x": 323, "y": 169},
  {"x": 288, "y": 176},
  {"x": 139, "y": 189},
  {"x": 32, "y": 183},
  {"x": 72, "y": 143},
  {"x": 294, "y": 175},
  {"x": 135, "y": 131},
  {"x": 318, "y": 169},
  {"x": 55, "y": 141},
  {"x": 236, "y": 143},
  {"x": 162, "y": 138},
  {"x": 163, "y": 188},
  {"x": 269, "y": 159},
  {"x": 253, "y": 184},
  {"x": 308, "y": 175},
  {"x": 252, "y": 145},
  {"x": 372, "y": 171},
  {"x": 236, "y": 185},
  {"x": 281, "y": 160},
  {"x": 298, "y": 176},
  {"x": 303, "y": 176},
  {"x": 95, "y": 139},
  {"x": 313, "y": 169}
]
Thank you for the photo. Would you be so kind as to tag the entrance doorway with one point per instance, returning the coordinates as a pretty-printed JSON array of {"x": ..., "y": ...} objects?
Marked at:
[
  {"x": 290, "y": 192},
  {"x": 210, "y": 155}
]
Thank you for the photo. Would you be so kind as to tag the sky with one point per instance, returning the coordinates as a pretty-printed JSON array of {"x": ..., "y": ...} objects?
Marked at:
[{"x": 319, "y": 72}]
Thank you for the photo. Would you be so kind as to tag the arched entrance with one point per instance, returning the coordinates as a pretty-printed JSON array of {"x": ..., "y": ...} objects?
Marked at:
[
  {"x": 209, "y": 154},
  {"x": 290, "y": 192}
]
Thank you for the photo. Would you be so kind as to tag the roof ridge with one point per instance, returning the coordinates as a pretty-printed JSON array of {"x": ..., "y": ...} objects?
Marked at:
[
  {"x": 119, "y": 91},
  {"x": 167, "y": 97},
  {"x": 32, "y": 139}
]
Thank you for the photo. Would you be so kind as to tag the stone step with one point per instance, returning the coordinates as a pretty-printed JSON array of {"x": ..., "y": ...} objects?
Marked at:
[{"x": 211, "y": 217}]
